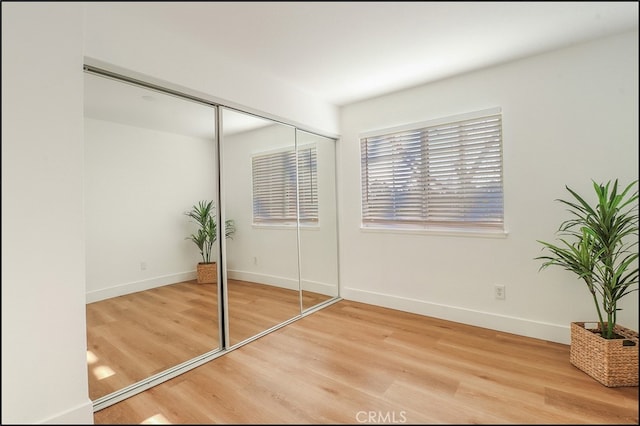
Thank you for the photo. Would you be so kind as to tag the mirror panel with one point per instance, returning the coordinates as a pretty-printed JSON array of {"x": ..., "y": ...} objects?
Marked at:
[
  {"x": 258, "y": 179},
  {"x": 318, "y": 218},
  {"x": 149, "y": 157}
]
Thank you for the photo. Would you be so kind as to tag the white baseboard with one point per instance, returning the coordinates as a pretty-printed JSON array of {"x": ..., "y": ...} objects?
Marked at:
[
  {"x": 133, "y": 287},
  {"x": 80, "y": 415},
  {"x": 508, "y": 324},
  {"x": 284, "y": 282},
  {"x": 320, "y": 287}
]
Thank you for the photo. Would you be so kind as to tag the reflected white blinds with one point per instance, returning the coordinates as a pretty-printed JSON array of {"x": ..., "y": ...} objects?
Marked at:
[{"x": 275, "y": 191}]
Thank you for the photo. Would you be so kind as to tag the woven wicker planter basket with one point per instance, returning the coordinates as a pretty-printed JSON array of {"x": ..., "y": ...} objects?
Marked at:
[
  {"x": 612, "y": 362},
  {"x": 207, "y": 273}
]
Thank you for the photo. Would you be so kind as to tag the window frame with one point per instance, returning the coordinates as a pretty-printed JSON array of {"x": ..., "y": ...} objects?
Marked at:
[{"x": 374, "y": 222}]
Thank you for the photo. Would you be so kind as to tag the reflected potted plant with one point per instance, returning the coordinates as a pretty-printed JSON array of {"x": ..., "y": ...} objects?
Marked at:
[
  {"x": 203, "y": 214},
  {"x": 599, "y": 245}
]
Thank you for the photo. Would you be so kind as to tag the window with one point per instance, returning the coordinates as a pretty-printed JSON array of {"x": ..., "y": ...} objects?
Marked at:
[
  {"x": 444, "y": 174},
  {"x": 277, "y": 189}
]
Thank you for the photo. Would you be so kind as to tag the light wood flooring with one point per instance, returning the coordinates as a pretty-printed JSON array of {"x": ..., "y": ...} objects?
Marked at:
[
  {"x": 135, "y": 336},
  {"x": 353, "y": 363}
]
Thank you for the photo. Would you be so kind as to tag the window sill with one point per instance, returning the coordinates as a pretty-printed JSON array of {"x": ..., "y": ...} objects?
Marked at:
[
  {"x": 291, "y": 226},
  {"x": 444, "y": 232}
]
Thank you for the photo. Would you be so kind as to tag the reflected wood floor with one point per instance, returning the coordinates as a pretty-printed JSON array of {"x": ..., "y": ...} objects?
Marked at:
[
  {"x": 254, "y": 307},
  {"x": 353, "y": 363},
  {"x": 137, "y": 335}
]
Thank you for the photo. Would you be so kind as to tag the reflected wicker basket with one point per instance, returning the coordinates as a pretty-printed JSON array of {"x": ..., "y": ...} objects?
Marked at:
[
  {"x": 612, "y": 362},
  {"x": 207, "y": 273}
]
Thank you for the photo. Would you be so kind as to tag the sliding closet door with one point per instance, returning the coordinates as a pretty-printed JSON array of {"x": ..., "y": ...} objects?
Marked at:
[
  {"x": 258, "y": 188},
  {"x": 149, "y": 157},
  {"x": 317, "y": 218}
]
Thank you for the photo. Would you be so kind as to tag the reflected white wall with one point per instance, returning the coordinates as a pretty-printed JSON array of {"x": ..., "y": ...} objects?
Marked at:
[
  {"x": 319, "y": 243},
  {"x": 138, "y": 184},
  {"x": 264, "y": 254}
]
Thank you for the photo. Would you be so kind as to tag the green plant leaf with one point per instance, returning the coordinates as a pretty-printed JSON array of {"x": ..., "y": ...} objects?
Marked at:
[
  {"x": 596, "y": 247},
  {"x": 203, "y": 214}
]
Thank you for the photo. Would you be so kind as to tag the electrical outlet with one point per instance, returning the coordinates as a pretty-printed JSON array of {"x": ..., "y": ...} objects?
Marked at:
[
  {"x": 143, "y": 266},
  {"x": 499, "y": 292},
  {"x": 255, "y": 260}
]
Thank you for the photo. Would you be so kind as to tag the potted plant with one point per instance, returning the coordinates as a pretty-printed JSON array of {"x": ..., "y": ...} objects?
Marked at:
[
  {"x": 599, "y": 245},
  {"x": 203, "y": 214}
]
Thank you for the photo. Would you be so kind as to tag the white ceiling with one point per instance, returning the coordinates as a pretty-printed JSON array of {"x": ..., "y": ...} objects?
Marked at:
[{"x": 343, "y": 52}]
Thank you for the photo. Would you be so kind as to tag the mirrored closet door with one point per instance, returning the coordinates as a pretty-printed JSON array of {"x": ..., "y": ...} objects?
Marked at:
[
  {"x": 149, "y": 157},
  {"x": 318, "y": 226},
  {"x": 259, "y": 194}
]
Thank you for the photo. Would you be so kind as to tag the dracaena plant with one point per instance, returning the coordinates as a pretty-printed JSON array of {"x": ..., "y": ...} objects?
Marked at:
[
  {"x": 203, "y": 214},
  {"x": 599, "y": 244}
]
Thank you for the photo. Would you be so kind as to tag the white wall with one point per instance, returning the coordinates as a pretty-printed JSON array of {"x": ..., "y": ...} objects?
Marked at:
[
  {"x": 44, "y": 371},
  {"x": 138, "y": 184},
  {"x": 568, "y": 117}
]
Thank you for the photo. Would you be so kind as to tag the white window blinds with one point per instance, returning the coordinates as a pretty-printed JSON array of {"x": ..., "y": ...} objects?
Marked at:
[
  {"x": 277, "y": 189},
  {"x": 308, "y": 185},
  {"x": 447, "y": 175}
]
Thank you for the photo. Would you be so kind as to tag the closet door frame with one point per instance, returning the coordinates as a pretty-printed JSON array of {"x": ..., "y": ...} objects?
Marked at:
[{"x": 223, "y": 319}]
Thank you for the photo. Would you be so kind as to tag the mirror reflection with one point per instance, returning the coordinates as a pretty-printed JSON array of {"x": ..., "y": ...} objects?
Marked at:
[
  {"x": 318, "y": 219},
  {"x": 259, "y": 195},
  {"x": 155, "y": 300},
  {"x": 149, "y": 157}
]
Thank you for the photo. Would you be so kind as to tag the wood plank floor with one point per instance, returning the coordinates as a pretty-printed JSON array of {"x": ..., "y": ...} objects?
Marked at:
[{"x": 353, "y": 363}]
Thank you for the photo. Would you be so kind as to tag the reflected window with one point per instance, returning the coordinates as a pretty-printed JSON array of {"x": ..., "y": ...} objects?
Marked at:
[{"x": 281, "y": 180}]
